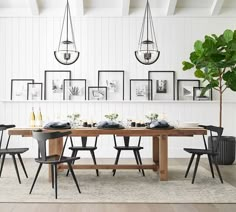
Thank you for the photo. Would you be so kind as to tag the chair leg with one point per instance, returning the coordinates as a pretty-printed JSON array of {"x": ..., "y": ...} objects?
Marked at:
[
  {"x": 140, "y": 161},
  {"x": 52, "y": 175},
  {"x": 55, "y": 178},
  {"x": 3, "y": 159},
  {"x": 116, "y": 161},
  {"x": 35, "y": 178},
  {"x": 195, "y": 169},
  {"x": 136, "y": 158},
  {"x": 22, "y": 164},
  {"x": 189, "y": 165},
  {"x": 74, "y": 177},
  {"x": 218, "y": 171},
  {"x": 16, "y": 168},
  {"x": 210, "y": 163},
  {"x": 94, "y": 160},
  {"x": 74, "y": 153}
]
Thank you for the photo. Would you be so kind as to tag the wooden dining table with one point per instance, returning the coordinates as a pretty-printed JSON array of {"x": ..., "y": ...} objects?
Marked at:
[{"x": 159, "y": 145}]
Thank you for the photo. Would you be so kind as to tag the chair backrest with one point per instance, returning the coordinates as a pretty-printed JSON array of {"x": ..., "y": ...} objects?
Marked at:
[
  {"x": 42, "y": 137},
  {"x": 126, "y": 140},
  {"x": 215, "y": 142},
  {"x": 84, "y": 140},
  {"x": 2, "y": 128}
]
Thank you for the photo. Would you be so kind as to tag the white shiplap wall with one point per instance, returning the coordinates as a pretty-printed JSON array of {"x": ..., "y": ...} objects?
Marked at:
[{"x": 26, "y": 50}]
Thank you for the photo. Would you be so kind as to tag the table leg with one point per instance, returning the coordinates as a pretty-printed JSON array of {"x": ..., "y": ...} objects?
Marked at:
[
  {"x": 155, "y": 150},
  {"x": 163, "y": 164},
  {"x": 55, "y": 148}
]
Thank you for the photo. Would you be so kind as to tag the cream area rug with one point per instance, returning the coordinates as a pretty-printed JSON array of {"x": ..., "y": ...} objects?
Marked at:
[{"x": 128, "y": 186}]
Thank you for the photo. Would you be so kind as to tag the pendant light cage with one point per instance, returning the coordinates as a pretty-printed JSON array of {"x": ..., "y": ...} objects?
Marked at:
[
  {"x": 67, "y": 53},
  {"x": 147, "y": 52}
]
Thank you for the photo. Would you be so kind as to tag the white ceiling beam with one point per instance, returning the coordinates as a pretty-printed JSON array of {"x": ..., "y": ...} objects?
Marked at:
[
  {"x": 125, "y": 4},
  {"x": 171, "y": 7},
  {"x": 216, "y": 7},
  {"x": 79, "y": 7},
  {"x": 34, "y": 7}
]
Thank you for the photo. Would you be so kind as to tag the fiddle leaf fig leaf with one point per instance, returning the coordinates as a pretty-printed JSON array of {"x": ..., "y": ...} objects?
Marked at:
[
  {"x": 187, "y": 65},
  {"x": 199, "y": 73},
  {"x": 228, "y": 35}
]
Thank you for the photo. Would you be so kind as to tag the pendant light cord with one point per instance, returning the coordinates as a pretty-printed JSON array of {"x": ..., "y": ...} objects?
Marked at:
[{"x": 62, "y": 28}]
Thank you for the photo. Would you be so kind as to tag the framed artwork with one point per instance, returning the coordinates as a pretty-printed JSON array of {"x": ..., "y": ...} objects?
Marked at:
[
  {"x": 114, "y": 81},
  {"x": 140, "y": 89},
  {"x": 97, "y": 93},
  {"x": 19, "y": 88},
  {"x": 198, "y": 97},
  {"x": 185, "y": 88},
  {"x": 163, "y": 85},
  {"x": 53, "y": 84},
  {"x": 35, "y": 91},
  {"x": 74, "y": 89}
]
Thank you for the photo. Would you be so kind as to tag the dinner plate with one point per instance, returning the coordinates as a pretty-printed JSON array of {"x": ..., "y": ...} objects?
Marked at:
[{"x": 160, "y": 128}]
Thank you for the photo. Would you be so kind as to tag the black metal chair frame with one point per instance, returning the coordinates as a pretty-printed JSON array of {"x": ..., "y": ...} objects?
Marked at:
[
  {"x": 12, "y": 152},
  {"x": 211, "y": 153},
  {"x": 52, "y": 160},
  {"x": 127, "y": 147},
  {"x": 84, "y": 147}
]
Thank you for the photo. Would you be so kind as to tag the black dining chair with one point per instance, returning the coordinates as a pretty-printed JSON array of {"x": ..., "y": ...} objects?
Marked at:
[
  {"x": 210, "y": 152},
  {"x": 53, "y": 160},
  {"x": 127, "y": 147},
  {"x": 12, "y": 152},
  {"x": 84, "y": 147}
]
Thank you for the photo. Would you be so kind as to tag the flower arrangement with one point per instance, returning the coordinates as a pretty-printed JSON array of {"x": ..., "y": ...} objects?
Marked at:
[
  {"x": 112, "y": 116},
  {"x": 152, "y": 116},
  {"x": 74, "y": 117}
]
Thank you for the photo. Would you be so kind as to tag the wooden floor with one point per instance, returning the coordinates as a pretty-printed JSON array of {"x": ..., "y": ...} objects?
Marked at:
[{"x": 228, "y": 172}]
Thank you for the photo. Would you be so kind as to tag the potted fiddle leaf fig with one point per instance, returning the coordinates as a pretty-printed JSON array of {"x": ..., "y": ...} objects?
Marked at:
[{"x": 214, "y": 62}]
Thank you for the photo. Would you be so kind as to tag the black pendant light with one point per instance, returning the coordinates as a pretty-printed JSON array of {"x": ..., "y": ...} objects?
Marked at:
[
  {"x": 147, "y": 52},
  {"x": 66, "y": 53}
]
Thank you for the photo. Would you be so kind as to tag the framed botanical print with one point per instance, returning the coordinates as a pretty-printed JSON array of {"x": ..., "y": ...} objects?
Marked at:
[
  {"x": 140, "y": 89},
  {"x": 97, "y": 93},
  {"x": 198, "y": 96},
  {"x": 114, "y": 81},
  {"x": 34, "y": 91},
  {"x": 19, "y": 88},
  {"x": 163, "y": 85},
  {"x": 53, "y": 84},
  {"x": 74, "y": 89},
  {"x": 185, "y": 88}
]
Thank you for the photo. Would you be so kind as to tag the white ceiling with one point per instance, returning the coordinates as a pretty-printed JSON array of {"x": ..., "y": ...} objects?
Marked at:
[{"x": 175, "y": 8}]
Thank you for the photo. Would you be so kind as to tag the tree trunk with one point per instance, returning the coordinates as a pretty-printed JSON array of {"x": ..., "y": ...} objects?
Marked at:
[{"x": 221, "y": 107}]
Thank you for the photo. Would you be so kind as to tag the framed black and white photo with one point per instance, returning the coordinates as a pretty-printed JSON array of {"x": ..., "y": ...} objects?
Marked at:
[
  {"x": 197, "y": 94},
  {"x": 163, "y": 85},
  {"x": 19, "y": 88},
  {"x": 97, "y": 93},
  {"x": 140, "y": 89},
  {"x": 53, "y": 84},
  {"x": 35, "y": 91},
  {"x": 185, "y": 88},
  {"x": 114, "y": 81},
  {"x": 74, "y": 89}
]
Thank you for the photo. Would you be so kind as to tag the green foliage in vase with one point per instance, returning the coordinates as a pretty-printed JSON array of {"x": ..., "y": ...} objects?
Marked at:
[
  {"x": 112, "y": 116},
  {"x": 152, "y": 116},
  {"x": 74, "y": 117},
  {"x": 214, "y": 61}
]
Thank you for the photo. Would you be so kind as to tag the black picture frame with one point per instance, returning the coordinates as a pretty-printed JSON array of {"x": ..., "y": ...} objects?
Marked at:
[
  {"x": 195, "y": 83},
  {"x": 97, "y": 87},
  {"x": 61, "y": 80},
  {"x": 147, "y": 90},
  {"x": 40, "y": 90},
  {"x": 122, "y": 72},
  {"x": 195, "y": 98},
  {"x": 70, "y": 81},
  {"x": 162, "y": 95},
  {"x": 20, "y": 91}
]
